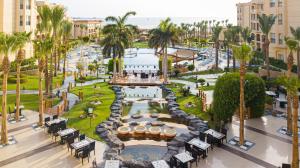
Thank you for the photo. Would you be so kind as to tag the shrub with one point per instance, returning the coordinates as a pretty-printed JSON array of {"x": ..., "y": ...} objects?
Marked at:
[
  {"x": 201, "y": 81},
  {"x": 227, "y": 92},
  {"x": 281, "y": 64},
  {"x": 191, "y": 67}
]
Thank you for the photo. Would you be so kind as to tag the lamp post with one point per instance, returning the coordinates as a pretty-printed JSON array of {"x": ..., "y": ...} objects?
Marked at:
[{"x": 90, "y": 114}]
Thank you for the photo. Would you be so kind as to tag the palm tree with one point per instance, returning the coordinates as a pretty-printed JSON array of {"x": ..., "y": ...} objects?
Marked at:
[
  {"x": 266, "y": 23},
  {"x": 235, "y": 33},
  {"x": 292, "y": 45},
  {"x": 216, "y": 30},
  {"x": 292, "y": 84},
  {"x": 22, "y": 39},
  {"x": 246, "y": 35},
  {"x": 243, "y": 54},
  {"x": 8, "y": 45},
  {"x": 42, "y": 47},
  {"x": 296, "y": 36},
  {"x": 123, "y": 29},
  {"x": 113, "y": 45},
  {"x": 228, "y": 40},
  {"x": 43, "y": 30},
  {"x": 57, "y": 15},
  {"x": 165, "y": 34},
  {"x": 66, "y": 33}
]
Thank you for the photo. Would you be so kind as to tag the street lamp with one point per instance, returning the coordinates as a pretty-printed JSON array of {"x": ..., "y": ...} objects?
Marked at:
[{"x": 90, "y": 114}]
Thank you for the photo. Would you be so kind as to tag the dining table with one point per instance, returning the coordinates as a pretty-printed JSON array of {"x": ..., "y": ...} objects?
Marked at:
[
  {"x": 112, "y": 164},
  {"x": 215, "y": 134},
  {"x": 160, "y": 164}
]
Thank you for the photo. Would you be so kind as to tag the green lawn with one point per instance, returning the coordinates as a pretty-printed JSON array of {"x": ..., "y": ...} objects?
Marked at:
[
  {"x": 32, "y": 83},
  {"x": 102, "y": 111},
  {"x": 143, "y": 44},
  {"x": 30, "y": 102},
  {"x": 182, "y": 101}
]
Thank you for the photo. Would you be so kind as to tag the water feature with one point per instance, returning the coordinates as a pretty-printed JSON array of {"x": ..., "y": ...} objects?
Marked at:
[{"x": 143, "y": 152}]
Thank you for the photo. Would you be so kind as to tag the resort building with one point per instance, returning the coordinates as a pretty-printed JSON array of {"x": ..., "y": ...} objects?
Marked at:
[
  {"x": 85, "y": 27},
  {"x": 18, "y": 16},
  {"x": 288, "y": 15},
  {"x": 141, "y": 63}
]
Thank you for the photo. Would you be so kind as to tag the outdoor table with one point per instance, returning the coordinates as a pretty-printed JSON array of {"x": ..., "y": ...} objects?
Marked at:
[
  {"x": 199, "y": 144},
  {"x": 66, "y": 132},
  {"x": 184, "y": 158},
  {"x": 81, "y": 144},
  {"x": 56, "y": 121},
  {"x": 160, "y": 164},
  {"x": 215, "y": 134},
  {"x": 112, "y": 164}
]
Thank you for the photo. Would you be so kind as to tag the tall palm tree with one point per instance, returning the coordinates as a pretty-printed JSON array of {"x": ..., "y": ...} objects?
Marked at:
[
  {"x": 113, "y": 45},
  {"x": 296, "y": 36},
  {"x": 227, "y": 41},
  {"x": 243, "y": 54},
  {"x": 161, "y": 37},
  {"x": 266, "y": 23},
  {"x": 292, "y": 45},
  {"x": 216, "y": 31},
  {"x": 44, "y": 29},
  {"x": 42, "y": 47},
  {"x": 235, "y": 33},
  {"x": 57, "y": 15},
  {"x": 8, "y": 45},
  {"x": 66, "y": 33},
  {"x": 246, "y": 34},
  {"x": 22, "y": 39},
  {"x": 123, "y": 29},
  {"x": 292, "y": 84}
]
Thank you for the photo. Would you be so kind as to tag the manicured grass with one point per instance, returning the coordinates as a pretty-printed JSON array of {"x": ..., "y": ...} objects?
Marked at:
[
  {"x": 102, "y": 111},
  {"x": 30, "y": 102},
  {"x": 182, "y": 101},
  {"x": 211, "y": 71},
  {"x": 32, "y": 83},
  {"x": 143, "y": 44},
  {"x": 88, "y": 78}
]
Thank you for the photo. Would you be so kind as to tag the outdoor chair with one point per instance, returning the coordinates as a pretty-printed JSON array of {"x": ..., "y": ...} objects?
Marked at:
[
  {"x": 210, "y": 140},
  {"x": 81, "y": 137},
  {"x": 62, "y": 125},
  {"x": 47, "y": 119},
  {"x": 76, "y": 134},
  {"x": 284, "y": 165},
  {"x": 173, "y": 162},
  {"x": 55, "y": 132},
  {"x": 84, "y": 154},
  {"x": 202, "y": 136},
  {"x": 201, "y": 152},
  {"x": 70, "y": 140},
  {"x": 92, "y": 147},
  {"x": 187, "y": 147},
  {"x": 194, "y": 154},
  {"x": 54, "y": 117},
  {"x": 224, "y": 131}
]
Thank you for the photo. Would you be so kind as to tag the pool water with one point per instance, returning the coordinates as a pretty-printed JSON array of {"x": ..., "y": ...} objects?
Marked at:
[{"x": 143, "y": 152}]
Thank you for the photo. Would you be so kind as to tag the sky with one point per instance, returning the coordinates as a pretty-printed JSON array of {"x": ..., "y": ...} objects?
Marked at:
[{"x": 223, "y": 9}]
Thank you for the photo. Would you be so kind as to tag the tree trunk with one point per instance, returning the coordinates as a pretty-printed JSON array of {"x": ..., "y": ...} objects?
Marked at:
[
  {"x": 55, "y": 60},
  {"x": 295, "y": 160},
  {"x": 228, "y": 58},
  {"x": 5, "y": 68},
  {"x": 217, "y": 56},
  {"x": 290, "y": 62},
  {"x": 41, "y": 98},
  {"x": 64, "y": 68},
  {"x": 242, "y": 81},
  {"x": 120, "y": 66},
  {"x": 165, "y": 67},
  {"x": 114, "y": 70},
  {"x": 267, "y": 43},
  {"x": 17, "y": 117},
  {"x": 58, "y": 59},
  {"x": 46, "y": 75},
  {"x": 298, "y": 63},
  {"x": 51, "y": 75}
]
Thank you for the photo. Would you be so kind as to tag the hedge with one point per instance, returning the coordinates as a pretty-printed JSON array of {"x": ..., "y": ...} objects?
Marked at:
[
  {"x": 281, "y": 64},
  {"x": 227, "y": 91}
]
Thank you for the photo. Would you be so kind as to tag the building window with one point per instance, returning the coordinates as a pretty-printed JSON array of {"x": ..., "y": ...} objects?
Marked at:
[
  {"x": 28, "y": 4},
  {"x": 280, "y": 39},
  {"x": 280, "y": 3},
  {"x": 273, "y": 38},
  {"x": 21, "y": 20},
  {"x": 280, "y": 56},
  {"x": 272, "y": 3},
  {"x": 21, "y": 4},
  {"x": 280, "y": 19},
  {"x": 28, "y": 20}
]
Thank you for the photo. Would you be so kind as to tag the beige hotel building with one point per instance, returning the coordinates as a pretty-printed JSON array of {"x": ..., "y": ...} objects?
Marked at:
[
  {"x": 91, "y": 26},
  {"x": 288, "y": 15},
  {"x": 18, "y": 16}
]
